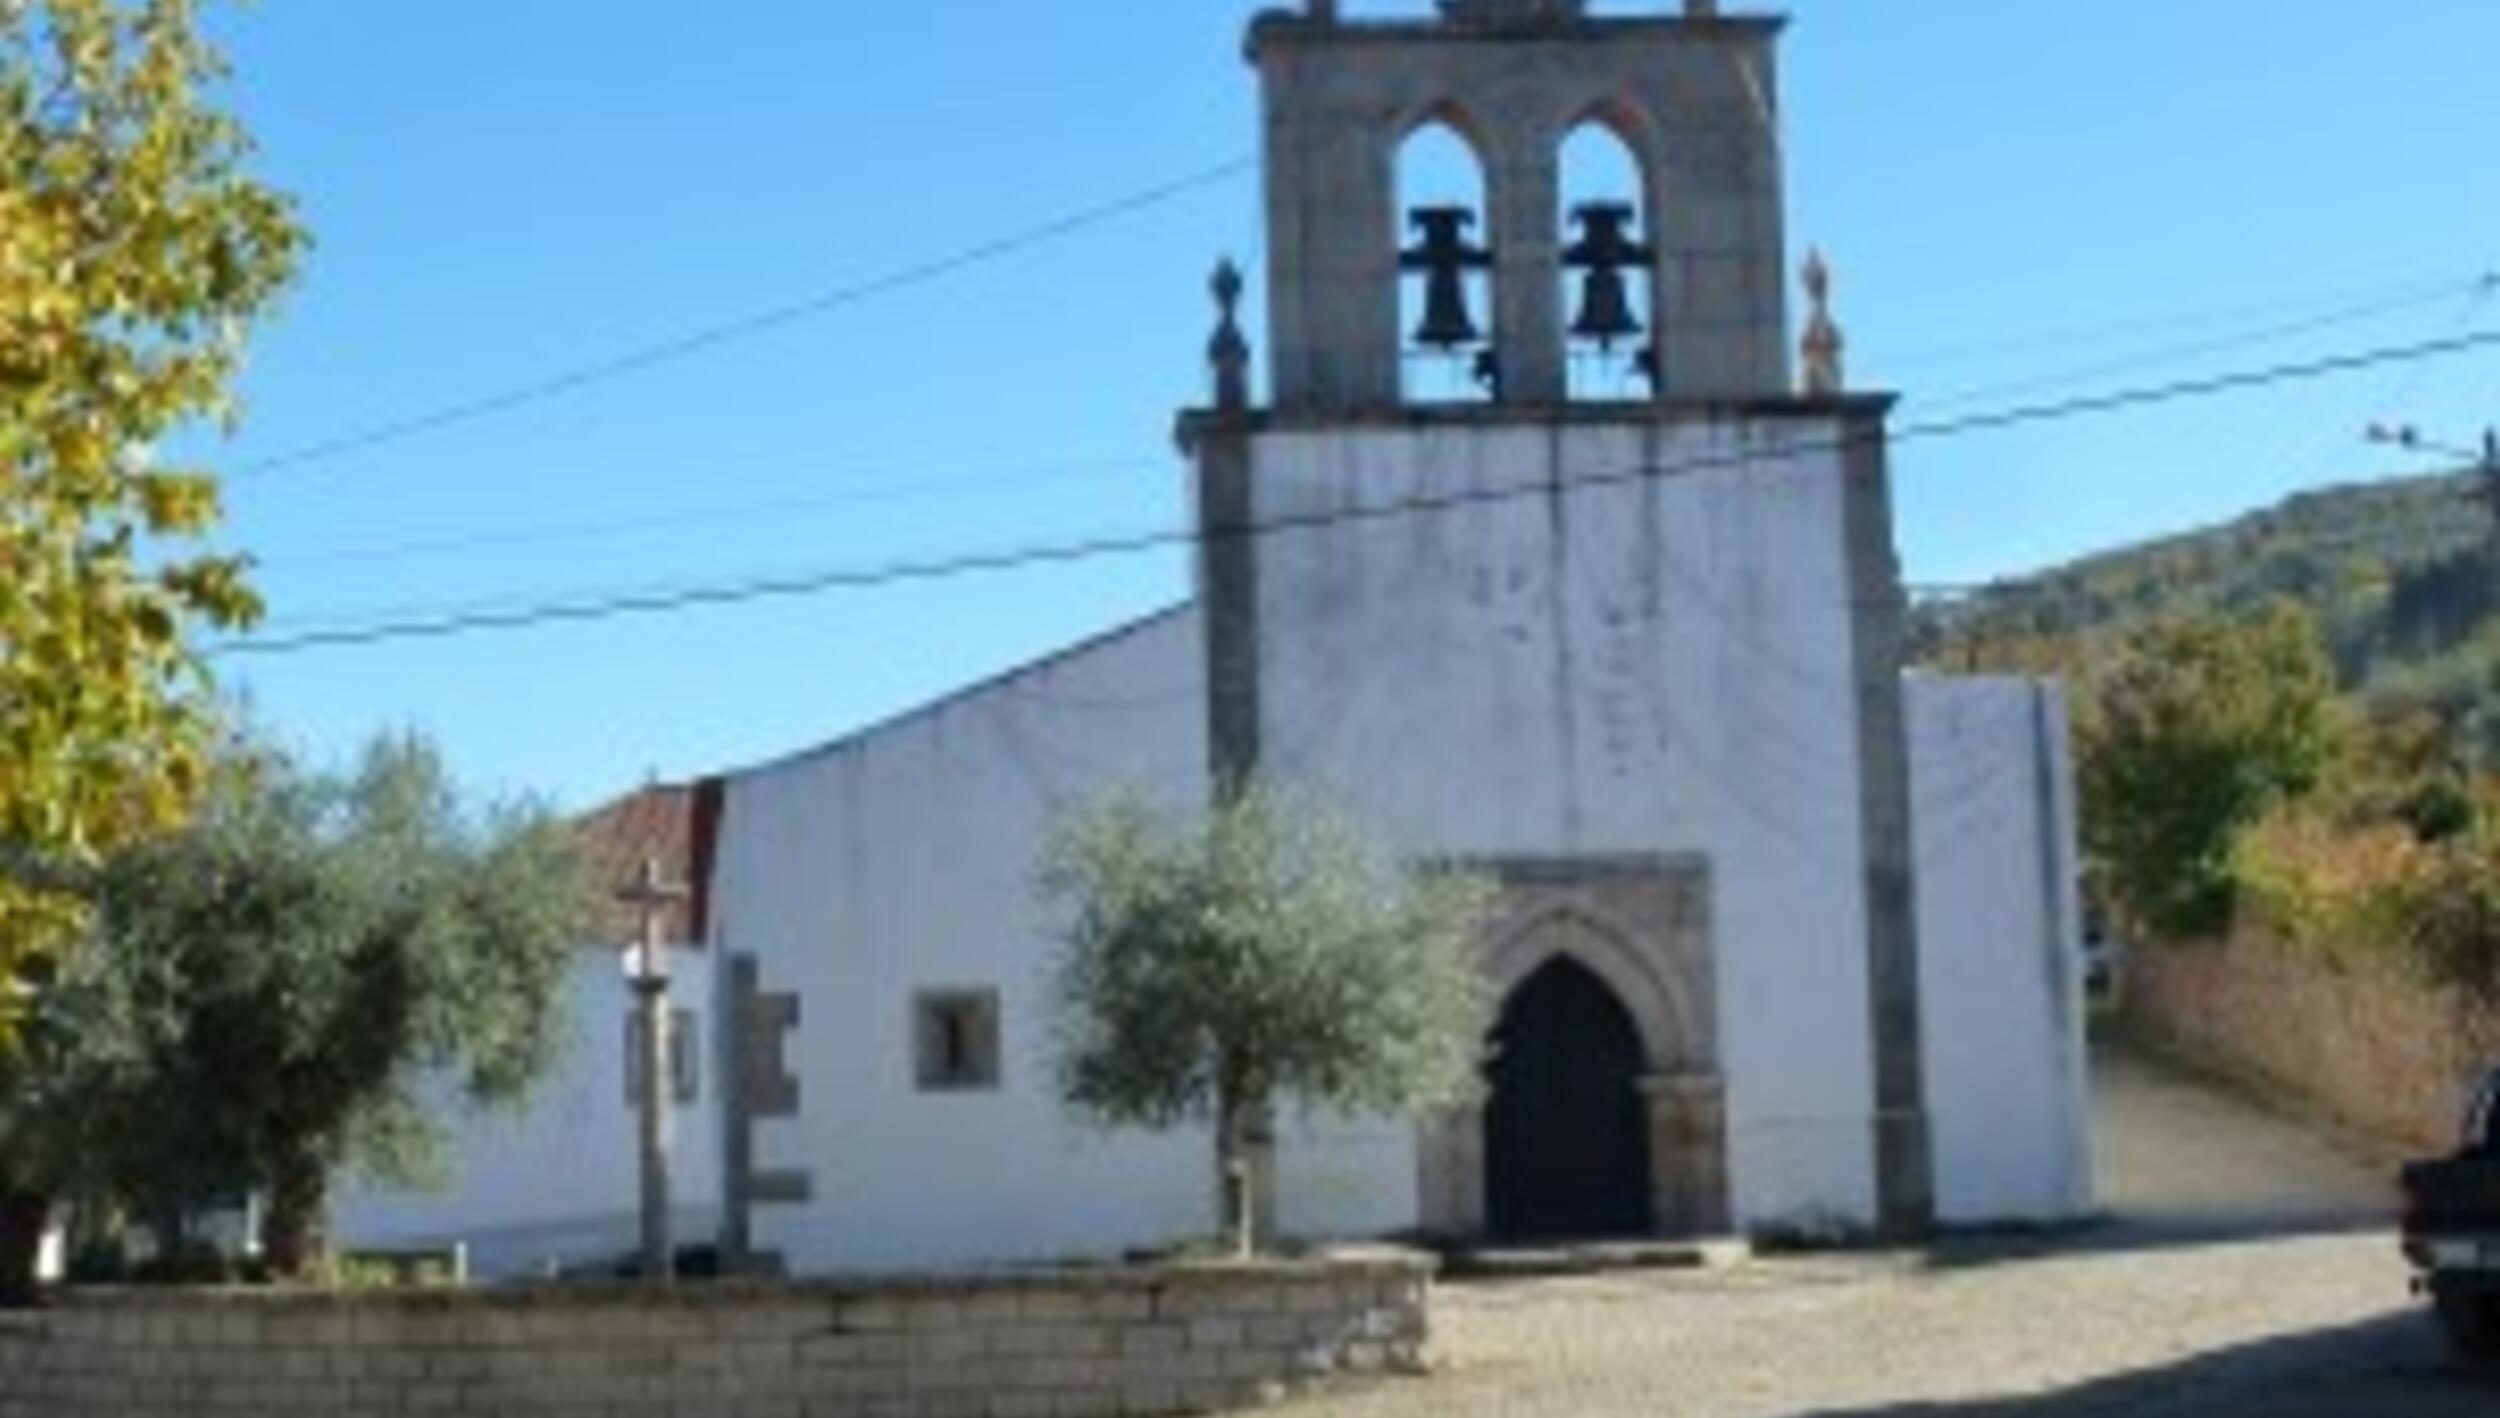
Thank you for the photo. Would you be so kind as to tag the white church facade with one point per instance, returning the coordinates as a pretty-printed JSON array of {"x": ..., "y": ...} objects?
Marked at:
[{"x": 1787, "y": 938}]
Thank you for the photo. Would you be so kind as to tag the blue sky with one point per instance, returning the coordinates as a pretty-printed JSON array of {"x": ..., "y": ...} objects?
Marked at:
[{"x": 2008, "y": 192}]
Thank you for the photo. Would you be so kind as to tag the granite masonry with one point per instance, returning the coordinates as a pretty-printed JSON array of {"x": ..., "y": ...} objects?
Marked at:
[{"x": 1115, "y": 1340}]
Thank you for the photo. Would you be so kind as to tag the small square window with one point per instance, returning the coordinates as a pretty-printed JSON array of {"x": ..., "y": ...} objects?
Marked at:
[
  {"x": 684, "y": 1069},
  {"x": 955, "y": 1040}
]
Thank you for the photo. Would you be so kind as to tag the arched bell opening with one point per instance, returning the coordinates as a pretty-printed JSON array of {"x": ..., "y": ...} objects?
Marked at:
[
  {"x": 1567, "y": 1134},
  {"x": 1445, "y": 260},
  {"x": 1608, "y": 266}
]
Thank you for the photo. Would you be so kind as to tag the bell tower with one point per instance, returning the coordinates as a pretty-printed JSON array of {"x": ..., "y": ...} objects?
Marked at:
[
  {"x": 1606, "y": 607},
  {"x": 1692, "y": 97}
]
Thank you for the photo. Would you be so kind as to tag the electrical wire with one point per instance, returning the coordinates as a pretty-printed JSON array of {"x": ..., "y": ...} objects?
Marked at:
[
  {"x": 1983, "y": 596},
  {"x": 709, "y": 515},
  {"x": 763, "y": 322},
  {"x": 593, "y": 606},
  {"x": 2120, "y": 332},
  {"x": 747, "y": 327},
  {"x": 2478, "y": 286},
  {"x": 708, "y": 338},
  {"x": 2478, "y": 291}
]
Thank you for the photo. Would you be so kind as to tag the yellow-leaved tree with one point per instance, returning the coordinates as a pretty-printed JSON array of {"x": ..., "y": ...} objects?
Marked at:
[{"x": 135, "y": 253}]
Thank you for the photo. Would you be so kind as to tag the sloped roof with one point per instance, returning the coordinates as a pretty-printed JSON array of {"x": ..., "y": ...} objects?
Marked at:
[
  {"x": 678, "y": 824},
  {"x": 990, "y": 684},
  {"x": 674, "y": 824}
]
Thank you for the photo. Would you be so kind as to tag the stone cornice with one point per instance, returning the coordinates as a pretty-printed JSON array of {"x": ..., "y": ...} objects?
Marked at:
[{"x": 1282, "y": 30}]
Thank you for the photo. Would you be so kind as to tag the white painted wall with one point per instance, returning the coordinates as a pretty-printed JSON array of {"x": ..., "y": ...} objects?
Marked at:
[
  {"x": 2000, "y": 936},
  {"x": 904, "y": 859},
  {"x": 1663, "y": 667},
  {"x": 558, "y": 1181},
  {"x": 1658, "y": 665},
  {"x": 1345, "y": 1179}
]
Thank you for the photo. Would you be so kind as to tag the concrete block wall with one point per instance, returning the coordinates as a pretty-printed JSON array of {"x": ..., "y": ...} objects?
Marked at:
[{"x": 1080, "y": 1343}]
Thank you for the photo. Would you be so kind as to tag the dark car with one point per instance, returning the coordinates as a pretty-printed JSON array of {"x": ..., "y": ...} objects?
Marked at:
[{"x": 2452, "y": 1229}]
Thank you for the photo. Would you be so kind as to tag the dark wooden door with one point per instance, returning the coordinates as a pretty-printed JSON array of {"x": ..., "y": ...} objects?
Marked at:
[{"x": 1566, "y": 1139}]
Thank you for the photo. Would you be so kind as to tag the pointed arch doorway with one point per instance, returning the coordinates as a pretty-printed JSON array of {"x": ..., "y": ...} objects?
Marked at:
[
  {"x": 1567, "y": 1144},
  {"x": 1603, "y": 1113}
]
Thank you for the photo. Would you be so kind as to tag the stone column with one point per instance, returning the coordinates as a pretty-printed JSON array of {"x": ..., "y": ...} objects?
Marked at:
[
  {"x": 1524, "y": 193},
  {"x": 1449, "y": 1157},
  {"x": 659, "y": 1251},
  {"x": 1332, "y": 250},
  {"x": 653, "y": 899},
  {"x": 1688, "y": 1153},
  {"x": 1720, "y": 229},
  {"x": 1904, "y": 1151}
]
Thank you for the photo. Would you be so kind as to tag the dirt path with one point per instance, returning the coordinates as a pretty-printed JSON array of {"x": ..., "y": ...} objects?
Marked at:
[{"x": 2176, "y": 1153}]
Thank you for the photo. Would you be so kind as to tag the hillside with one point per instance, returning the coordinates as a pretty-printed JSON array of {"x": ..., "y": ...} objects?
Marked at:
[{"x": 2401, "y": 576}]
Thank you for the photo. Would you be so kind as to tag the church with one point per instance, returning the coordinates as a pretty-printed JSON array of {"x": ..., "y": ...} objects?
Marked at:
[{"x": 1534, "y": 540}]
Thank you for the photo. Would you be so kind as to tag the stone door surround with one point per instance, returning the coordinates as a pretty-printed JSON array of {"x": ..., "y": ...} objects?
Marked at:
[{"x": 1642, "y": 925}]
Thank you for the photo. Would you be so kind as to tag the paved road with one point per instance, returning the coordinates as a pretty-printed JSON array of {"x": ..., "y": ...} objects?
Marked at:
[{"x": 2251, "y": 1272}]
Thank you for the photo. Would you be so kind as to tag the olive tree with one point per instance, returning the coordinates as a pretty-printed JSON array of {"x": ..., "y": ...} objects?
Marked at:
[
  {"x": 1214, "y": 966},
  {"x": 264, "y": 991}
]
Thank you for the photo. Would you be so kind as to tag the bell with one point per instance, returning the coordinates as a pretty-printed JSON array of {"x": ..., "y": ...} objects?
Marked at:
[
  {"x": 1446, "y": 324},
  {"x": 1603, "y": 253},
  {"x": 1605, "y": 309},
  {"x": 1444, "y": 255}
]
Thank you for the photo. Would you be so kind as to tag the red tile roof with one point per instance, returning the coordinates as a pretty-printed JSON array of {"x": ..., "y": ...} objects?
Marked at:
[{"x": 676, "y": 825}]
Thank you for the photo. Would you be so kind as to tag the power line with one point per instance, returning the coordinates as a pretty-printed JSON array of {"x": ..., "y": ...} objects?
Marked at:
[
  {"x": 708, "y": 338},
  {"x": 1963, "y": 352},
  {"x": 2403, "y": 385},
  {"x": 2205, "y": 386},
  {"x": 1981, "y": 597},
  {"x": 2173, "y": 353},
  {"x": 604, "y": 606},
  {"x": 718, "y": 514},
  {"x": 712, "y": 514},
  {"x": 762, "y": 322}
]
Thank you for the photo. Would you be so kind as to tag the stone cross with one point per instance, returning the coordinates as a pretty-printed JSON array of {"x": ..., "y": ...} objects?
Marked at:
[{"x": 653, "y": 898}]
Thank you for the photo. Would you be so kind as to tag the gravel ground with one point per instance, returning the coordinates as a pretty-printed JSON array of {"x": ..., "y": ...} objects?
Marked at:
[{"x": 2250, "y": 1270}]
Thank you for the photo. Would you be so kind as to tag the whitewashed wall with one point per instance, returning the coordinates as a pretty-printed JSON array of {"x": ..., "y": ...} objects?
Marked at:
[
  {"x": 557, "y": 1182},
  {"x": 1340, "y": 1178},
  {"x": 904, "y": 859},
  {"x": 2000, "y": 936},
  {"x": 1659, "y": 665}
]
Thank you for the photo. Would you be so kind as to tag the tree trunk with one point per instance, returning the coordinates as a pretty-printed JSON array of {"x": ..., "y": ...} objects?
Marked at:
[
  {"x": 1232, "y": 1170},
  {"x": 294, "y": 1239},
  {"x": 24, "y": 1217}
]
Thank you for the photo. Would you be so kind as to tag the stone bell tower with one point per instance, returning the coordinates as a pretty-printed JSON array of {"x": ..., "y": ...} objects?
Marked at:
[
  {"x": 1694, "y": 99},
  {"x": 1631, "y": 647}
]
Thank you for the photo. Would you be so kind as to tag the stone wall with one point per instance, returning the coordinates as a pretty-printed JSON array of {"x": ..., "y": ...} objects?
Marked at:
[
  {"x": 2356, "y": 1035},
  {"x": 1115, "y": 1341}
]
